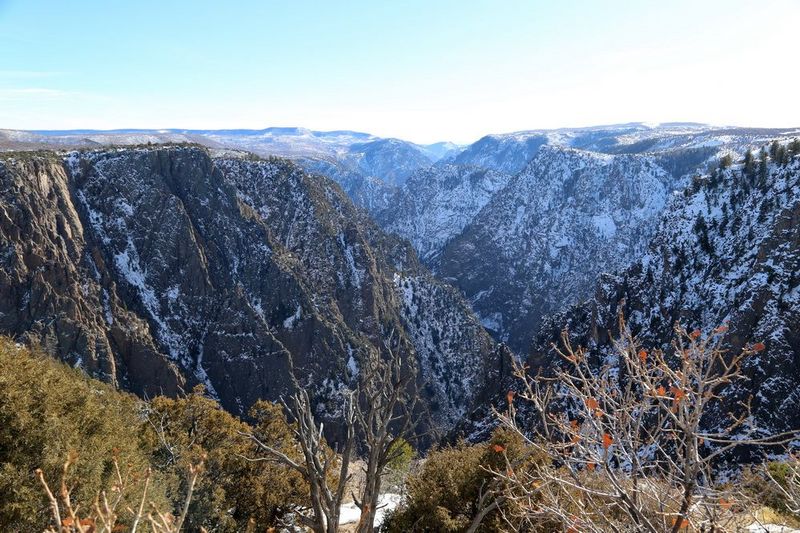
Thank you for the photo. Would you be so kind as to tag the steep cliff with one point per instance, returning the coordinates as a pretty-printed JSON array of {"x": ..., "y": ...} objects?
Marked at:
[
  {"x": 726, "y": 252},
  {"x": 540, "y": 242},
  {"x": 159, "y": 268}
]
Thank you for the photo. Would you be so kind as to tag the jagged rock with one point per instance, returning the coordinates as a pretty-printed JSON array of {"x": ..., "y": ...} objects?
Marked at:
[
  {"x": 569, "y": 216},
  {"x": 726, "y": 252},
  {"x": 160, "y": 268}
]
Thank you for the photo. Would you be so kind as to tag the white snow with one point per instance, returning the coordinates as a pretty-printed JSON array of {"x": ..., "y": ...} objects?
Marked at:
[
  {"x": 350, "y": 514},
  {"x": 290, "y": 321},
  {"x": 605, "y": 225}
]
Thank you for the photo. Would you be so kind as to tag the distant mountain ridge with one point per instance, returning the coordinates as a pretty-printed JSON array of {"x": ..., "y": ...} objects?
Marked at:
[{"x": 469, "y": 211}]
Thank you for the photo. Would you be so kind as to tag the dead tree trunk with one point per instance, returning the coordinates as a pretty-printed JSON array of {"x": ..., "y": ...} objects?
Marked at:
[
  {"x": 387, "y": 397},
  {"x": 319, "y": 461}
]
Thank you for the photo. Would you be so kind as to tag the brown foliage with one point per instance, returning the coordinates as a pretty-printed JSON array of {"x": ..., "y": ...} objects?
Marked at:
[{"x": 627, "y": 438}]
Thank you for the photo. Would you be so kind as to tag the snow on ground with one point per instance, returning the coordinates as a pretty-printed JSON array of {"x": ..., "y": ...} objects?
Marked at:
[
  {"x": 350, "y": 514},
  {"x": 771, "y": 528}
]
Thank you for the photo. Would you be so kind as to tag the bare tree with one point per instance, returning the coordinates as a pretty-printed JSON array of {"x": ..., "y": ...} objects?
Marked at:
[
  {"x": 387, "y": 397},
  {"x": 377, "y": 415},
  {"x": 788, "y": 485},
  {"x": 103, "y": 515},
  {"x": 628, "y": 437},
  {"x": 319, "y": 460}
]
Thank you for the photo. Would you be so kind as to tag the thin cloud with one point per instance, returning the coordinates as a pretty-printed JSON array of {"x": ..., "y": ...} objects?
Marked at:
[
  {"x": 27, "y": 74},
  {"x": 32, "y": 93}
]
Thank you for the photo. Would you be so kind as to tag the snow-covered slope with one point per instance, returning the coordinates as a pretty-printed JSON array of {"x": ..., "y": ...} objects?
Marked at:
[
  {"x": 508, "y": 152},
  {"x": 437, "y": 203},
  {"x": 391, "y": 160},
  {"x": 726, "y": 252},
  {"x": 369, "y": 192},
  {"x": 541, "y": 241}
]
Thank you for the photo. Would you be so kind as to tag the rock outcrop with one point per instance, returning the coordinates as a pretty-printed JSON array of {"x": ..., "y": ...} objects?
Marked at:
[
  {"x": 160, "y": 268},
  {"x": 726, "y": 253}
]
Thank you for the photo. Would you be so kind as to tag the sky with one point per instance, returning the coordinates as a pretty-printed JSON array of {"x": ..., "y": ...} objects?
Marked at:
[{"x": 425, "y": 71}]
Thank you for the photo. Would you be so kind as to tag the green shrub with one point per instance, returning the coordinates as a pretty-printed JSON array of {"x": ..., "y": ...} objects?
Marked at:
[
  {"x": 763, "y": 490},
  {"x": 232, "y": 490},
  {"x": 402, "y": 453},
  {"x": 444, "y": 495},
  {"x": 49, "y": 411}
]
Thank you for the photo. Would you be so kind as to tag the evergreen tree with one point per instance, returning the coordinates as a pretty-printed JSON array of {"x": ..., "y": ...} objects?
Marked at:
[
  {"x": 773, "y": 150},
  {"x": 783, "y": 156},
  {"x": 725, "y": 161},
  {"x": 762, "y": 166},
  {"x": 794, "y": 147},
  {"x": 749, "y": 164},
  {"x": 701, "y": 230}
]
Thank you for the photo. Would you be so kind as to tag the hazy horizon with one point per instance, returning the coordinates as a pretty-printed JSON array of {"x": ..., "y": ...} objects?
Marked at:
[{"x": 76, "y": 131}]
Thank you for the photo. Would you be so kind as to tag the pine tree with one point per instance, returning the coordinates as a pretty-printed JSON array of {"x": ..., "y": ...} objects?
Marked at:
[
  {"x": 773, "y": 150},
  {"x": 725, "y": 161},
  {"x": 749, "y": 164},
  {"x": 794, "y": 147},
  {"x": 762, "y": 166},
  {"x": 783, "y": 156},
  {"x": 701, "y": 230}
]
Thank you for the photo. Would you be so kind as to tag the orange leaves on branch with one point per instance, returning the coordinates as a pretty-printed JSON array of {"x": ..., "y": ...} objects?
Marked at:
[
  {"x": 590, "y": 466},
  {"x": 499, "y": 448},
  {"x": 591, "y": 403},
  {"x": 759, "y": 346},
  {"x": 607, "y": 441},
  {"x": 683, "y": 522},
  {"x": 643, "y": 356},
  {"x": 695, "y": 334},
  {"x": 573, "y": 424},
  {"x": 573, "y": 528},
  {"x": 721, "y": 329},
  {"x": 86, "y": 524},
  {"x": 510, "y": 396},
  {"x": 676, "y": 401},
  {"x": 725, "y": 504},
  {"x": 661, "y": 391}
]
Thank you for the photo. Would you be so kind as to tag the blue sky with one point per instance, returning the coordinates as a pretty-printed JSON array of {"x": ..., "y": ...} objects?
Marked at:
[{"x": 420, "y": 70}]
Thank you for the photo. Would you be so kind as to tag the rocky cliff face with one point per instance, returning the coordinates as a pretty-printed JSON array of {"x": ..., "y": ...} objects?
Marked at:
[
  {"x": 159, "y": 268},
  {"x": 541, "y": 241},
  {"x": 371, "y": 193},
  {"x": 56, "y": 285},
  {"x": 508, "y": 153},
  {"x": 727, "y": 251},
  {"x": 437, "y": 203}
]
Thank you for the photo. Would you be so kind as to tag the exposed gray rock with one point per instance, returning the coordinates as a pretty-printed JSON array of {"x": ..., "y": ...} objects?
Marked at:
[
  {"x": 726, "y": 252},
  {"x": 543, "y": 239},
  {"x": 160, "y": 268}
]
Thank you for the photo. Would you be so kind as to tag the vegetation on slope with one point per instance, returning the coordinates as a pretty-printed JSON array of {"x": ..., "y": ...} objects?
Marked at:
[{"x": 50, "y": 412}]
